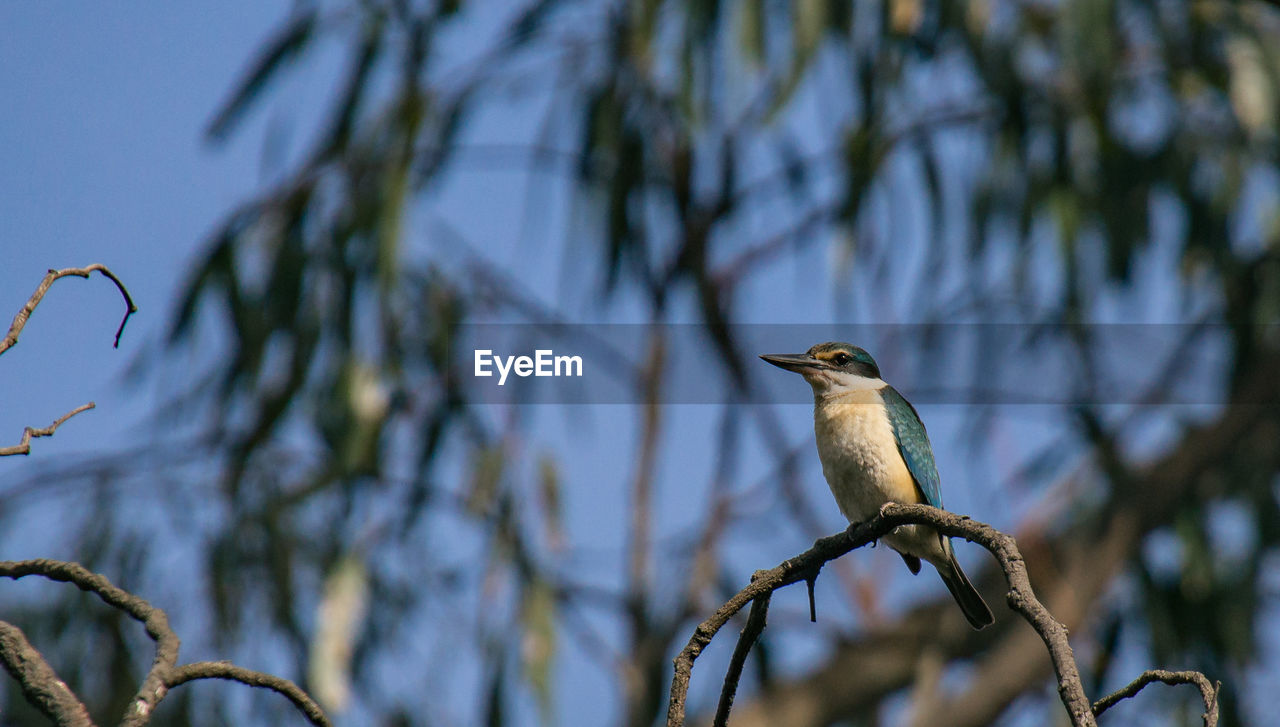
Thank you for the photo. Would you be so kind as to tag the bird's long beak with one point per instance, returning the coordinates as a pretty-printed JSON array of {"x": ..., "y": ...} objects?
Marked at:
[{"x": 797, "y": 362}]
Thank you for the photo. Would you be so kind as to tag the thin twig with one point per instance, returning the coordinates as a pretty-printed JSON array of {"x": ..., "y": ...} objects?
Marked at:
[
  {"x": 24, "y": 445},
  {"x": 1208, "y": 691},
  {"x": 20, "y": 320},
  {"x": 750, "y": 634},
  {"x": 164, "y": 672},
  {"x": 39, "y": 683},
  {"x": 229, "y": 671},
  {"x": 1021, "y": 597}
]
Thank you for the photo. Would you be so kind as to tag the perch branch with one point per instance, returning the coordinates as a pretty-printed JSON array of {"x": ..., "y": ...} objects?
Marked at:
[
  {"x": 765, "y": 582},
  {"x": 1021, "y": 598},
  {"x": 164, "y": 672},
  {"x": 24, "y": 445},
  {"x": 20, "y": 320},
  {"x": 1208, "y": 691}
]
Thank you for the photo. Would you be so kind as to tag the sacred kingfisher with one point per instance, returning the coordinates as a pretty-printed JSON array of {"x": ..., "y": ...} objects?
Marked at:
[{"x": 874, "y": 450}]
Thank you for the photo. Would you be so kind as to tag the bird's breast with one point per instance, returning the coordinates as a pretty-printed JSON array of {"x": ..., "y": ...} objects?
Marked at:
[{"x": 860, "y": 457}]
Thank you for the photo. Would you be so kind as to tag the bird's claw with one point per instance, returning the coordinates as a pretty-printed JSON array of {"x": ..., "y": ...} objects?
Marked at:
[{"x": 853, "y": 527}]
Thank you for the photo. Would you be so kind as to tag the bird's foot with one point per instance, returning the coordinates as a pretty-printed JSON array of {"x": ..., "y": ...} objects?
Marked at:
[{"x": 852, "y": 531}]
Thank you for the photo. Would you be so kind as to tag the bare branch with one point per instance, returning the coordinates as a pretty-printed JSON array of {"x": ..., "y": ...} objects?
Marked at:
[
  {"x": 1021, "y": 597},
  {"x": 40, "y": 684},
  {"x": 229, "y": 671},
  {"x": 747, "y": 639},
  {"x": 24, "y": 445},
  {"x": 153, "y": 620},
  {"x": 1080, "y": 562},
  {"x": 1208, "y": 691},
  {"x": 164, "y": 672},
  {"x": 20, "y": 320},
  {"x": 764, "y": 582}
]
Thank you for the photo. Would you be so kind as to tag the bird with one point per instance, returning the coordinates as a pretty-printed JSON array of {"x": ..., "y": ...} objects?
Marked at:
[{"x": 875, "y": 450}]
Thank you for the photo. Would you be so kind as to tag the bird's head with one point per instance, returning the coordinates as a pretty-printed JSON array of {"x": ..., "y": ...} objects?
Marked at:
[{"x": 831, "y": 368}]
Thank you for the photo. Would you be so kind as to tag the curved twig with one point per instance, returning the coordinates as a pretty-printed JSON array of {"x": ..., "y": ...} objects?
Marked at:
[
  {"x": 1208, "y": 691},
  {"x": 1021, "y": 598},
  {"x": 231, "y": 672},
  {"x": 20, "y": 320},
  {"x": 164, "y": 672}
]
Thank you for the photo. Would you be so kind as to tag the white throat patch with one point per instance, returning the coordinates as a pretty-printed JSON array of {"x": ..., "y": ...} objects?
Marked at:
[{"x": 826, "y": 383}]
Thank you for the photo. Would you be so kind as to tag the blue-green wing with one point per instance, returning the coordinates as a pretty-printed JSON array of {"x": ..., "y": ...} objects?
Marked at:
[{"x": 913, "y": 443}]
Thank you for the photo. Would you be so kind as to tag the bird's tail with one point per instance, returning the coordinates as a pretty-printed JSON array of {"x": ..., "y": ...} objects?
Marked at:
[{"x": 974, "y": 608}]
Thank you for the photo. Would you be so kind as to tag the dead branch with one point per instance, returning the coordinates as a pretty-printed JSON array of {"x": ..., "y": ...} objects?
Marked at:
[
  {"x": 1208, "y": 691},
  {"x": 1076, "y": 565},
  {"x": 39, "y": 683},
  {"x": 20, "y": 320},
  {"x": 231, "y": 672},
  {"x": 164, "y": 672},
  {"x": 1021, "y": 598},
  {"x": 750, "y": 634},
  {"x": 24, "y": 445}
]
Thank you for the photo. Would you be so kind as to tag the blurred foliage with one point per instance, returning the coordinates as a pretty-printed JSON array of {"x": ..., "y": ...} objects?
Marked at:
[{"x": 1048, "y": 149}]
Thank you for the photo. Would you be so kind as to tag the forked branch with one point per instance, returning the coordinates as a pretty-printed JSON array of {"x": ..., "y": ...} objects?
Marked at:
[
  {"x": 39, "y": 683},
  {"x": 1021, "y": 598},
  {"x": 48, "y": 694}
]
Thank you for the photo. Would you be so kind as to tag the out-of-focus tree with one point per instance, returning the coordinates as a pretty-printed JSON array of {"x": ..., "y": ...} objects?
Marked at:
[{"x": 1047, "y": 164}]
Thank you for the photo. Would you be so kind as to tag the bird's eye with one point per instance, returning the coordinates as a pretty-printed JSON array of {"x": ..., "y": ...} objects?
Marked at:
[{"x": 842, "y": 359}]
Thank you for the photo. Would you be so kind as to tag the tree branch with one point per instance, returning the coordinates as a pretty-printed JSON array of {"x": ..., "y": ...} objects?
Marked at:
[
  {"x": 1074, "y": 566},
  {"x": 1021, "y": 598},
  {"x": 1208, "y": 691},
  {"x": 40, "y": 684},
  {"x": 20, "y": 320},
  {"x": 164, "y": 672},
  {"x": 231, "y": 672},
  {"x": 24, "y": 445},
  {"x": 153, "y": 620},
  {"x": 747, "y": 639}
]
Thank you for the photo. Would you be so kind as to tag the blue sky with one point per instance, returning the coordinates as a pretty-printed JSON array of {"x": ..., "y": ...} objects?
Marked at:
[{"x": 103, "y": 159}]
